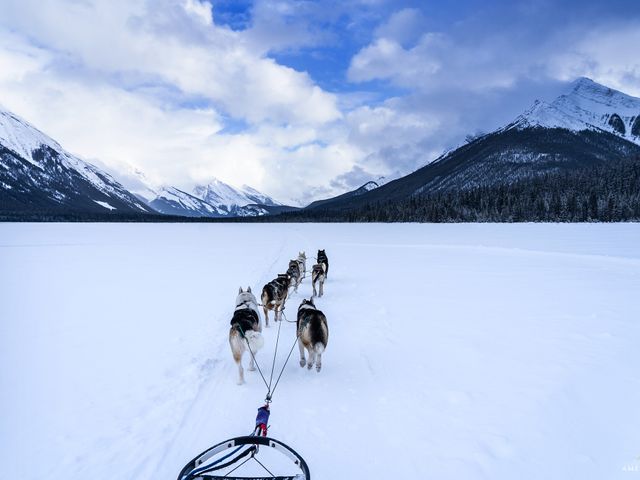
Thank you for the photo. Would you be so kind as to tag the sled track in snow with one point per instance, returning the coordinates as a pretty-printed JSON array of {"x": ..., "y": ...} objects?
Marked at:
[{"x": 223, "y": 372}]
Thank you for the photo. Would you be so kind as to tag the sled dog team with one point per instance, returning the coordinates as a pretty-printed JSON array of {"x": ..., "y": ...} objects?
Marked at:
[{"x": 311, "y": 324}]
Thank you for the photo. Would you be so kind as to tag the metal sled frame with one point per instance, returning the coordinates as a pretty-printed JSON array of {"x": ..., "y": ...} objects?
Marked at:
[{"x": 197, "y": 469}]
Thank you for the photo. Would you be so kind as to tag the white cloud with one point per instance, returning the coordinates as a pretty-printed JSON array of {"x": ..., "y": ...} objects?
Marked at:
[
  {"x": 404, "y": 26},
  {"x": 440, "y": 61},
  {"x": 200, "y": 9},
  {"x": 608, "y": 55},
  {"x": 396, "y": 137},
  {"x": 387, "y": 59},
  {"x": 118, "y": 127},
  {"x": 373, "y": 127},
  {"x": 284, "y": 25},
  {"x": 149, "y": 86},
  {"x": 471, "y": 58},
  {"x": 17, "y": 60},
  {"x": 167, "y": 41}
]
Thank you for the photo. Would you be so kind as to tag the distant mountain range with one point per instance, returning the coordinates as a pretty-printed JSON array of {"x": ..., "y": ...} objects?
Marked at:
[
  {"x": 216, "y": 199},
  {"x": 591, "y": 126},
  {"x": 172, "y": 201},
  {"x": 37, "y": 175}
]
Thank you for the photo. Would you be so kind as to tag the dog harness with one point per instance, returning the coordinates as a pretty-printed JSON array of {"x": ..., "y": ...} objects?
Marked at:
[{"x": 244, "y": 320}]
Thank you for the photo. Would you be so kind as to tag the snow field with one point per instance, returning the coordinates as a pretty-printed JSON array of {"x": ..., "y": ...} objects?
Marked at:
[{"x": 455, "y": 351}]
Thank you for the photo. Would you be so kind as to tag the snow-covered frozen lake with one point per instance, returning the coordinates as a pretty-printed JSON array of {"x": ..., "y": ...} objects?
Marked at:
[{"x": 455, "y": 351}]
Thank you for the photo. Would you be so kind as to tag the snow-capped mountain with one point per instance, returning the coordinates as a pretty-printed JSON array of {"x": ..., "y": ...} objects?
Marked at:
[
  {"x": 232, "y": 200},
  {"x": 217, "y": 199},
  {"x": 257, "y": 197},
  {"x": 588, "y": 106},
  {"x": 38, "y": 175},
  {"x": 588, "y": 126},
  {"x": 172, "y": 201}
]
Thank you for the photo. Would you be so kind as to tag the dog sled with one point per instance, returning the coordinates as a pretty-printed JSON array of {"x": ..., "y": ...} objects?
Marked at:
[{"x": 252, "y": 457}]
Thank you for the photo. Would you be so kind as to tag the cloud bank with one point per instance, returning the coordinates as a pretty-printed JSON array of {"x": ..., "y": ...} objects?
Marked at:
[{"x": 303, "y": 99}]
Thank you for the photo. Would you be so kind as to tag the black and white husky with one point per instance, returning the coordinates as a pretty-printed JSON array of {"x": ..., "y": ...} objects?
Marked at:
[
  {"x": 318, "y": 275},
  {"x": 323, "y": 260},
  {"x": 245, "y": 297},
  {"x": 296, "y": 275},
  {"x": 313, "y": 334},
  {"x": 245, "y": 329},
  {"x": 274, "y": 295}
]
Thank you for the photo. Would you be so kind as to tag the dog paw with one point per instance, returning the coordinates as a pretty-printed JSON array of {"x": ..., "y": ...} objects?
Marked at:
[
  {"x": 318, "y": 367},
  {"x": 309, "y": 366},
  {"x": 302, "y": 362},
  {"x": 239, "y": 382}
]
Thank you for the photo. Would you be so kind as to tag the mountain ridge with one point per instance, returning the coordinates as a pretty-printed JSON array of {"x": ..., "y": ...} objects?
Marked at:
[
  {"x": 37, "y": 173},
  {"x": 203, "y": 201},
  {"x": 232, "y": 200},
  {"x": 546, "y": 137},
  {"x": 589, "y": 105}
]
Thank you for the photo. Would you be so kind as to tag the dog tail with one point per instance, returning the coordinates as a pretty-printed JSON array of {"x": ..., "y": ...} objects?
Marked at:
[
  {"x": 236, "y": 342},
  {"x": 265, "y": 297},
  {"x": 256, "y": 342},
  {"x": 318, "y": 348}
]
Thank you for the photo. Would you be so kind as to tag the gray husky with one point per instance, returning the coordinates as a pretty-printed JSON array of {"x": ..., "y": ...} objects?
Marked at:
[
  {"x": 302, "y": 264},
  {"x": 313, "y": 334},
  {"x": 318, "y": 275},
  {"x": 274, "y": 295}
]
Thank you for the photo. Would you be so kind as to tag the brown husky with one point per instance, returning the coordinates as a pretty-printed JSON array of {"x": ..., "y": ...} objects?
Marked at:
[
  {"x": 274, "y": 295},
  {"x": 296, "y": 275}
]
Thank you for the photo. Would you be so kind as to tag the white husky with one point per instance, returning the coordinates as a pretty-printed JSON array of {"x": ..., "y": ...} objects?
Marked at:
[{"x": 245, "y": 330}]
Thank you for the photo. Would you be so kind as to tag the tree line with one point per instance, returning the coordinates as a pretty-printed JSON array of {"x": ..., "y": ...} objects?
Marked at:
[{"x": 609, "y": 192}]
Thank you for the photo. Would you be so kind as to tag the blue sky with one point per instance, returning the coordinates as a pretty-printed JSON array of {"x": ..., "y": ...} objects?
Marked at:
[{"x": 299, "y": 99}]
